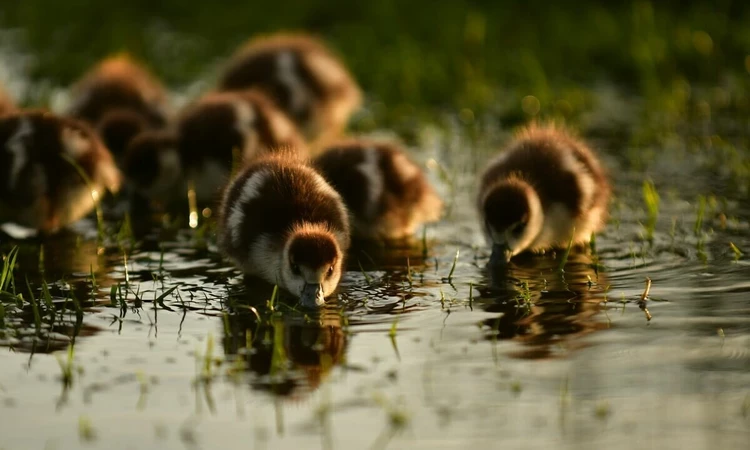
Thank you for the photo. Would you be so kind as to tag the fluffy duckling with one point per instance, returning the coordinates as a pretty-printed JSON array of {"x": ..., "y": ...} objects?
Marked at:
[
  {"x": 120, "y": 98},
  {"x": 305, "y": 79},
  {"x": 544, "y": 189},
  {"x": 282, "y": 222},
  {"x": 43, "y": 162},
  {"x": 387, "y": 194},
  {"x": 223, "y": 126}
]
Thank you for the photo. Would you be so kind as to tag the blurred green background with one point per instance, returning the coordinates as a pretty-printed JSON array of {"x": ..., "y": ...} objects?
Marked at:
[{"x": 472, "y": 55}]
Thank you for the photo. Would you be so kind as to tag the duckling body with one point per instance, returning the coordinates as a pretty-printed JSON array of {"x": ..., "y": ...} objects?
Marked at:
[
  {"x": 119, "y": 98},
  {"x": 543, "y": 190},
  {"x": 221, "y": 127},
  {"x": 305, "y": 79},
  {"x": 282, "y": 222},
  {"x": 40, "y": 159},
  {"x": 387, "y": 194}
]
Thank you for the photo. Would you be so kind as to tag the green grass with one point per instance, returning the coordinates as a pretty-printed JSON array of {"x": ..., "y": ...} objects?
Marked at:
[
  {"x": 564, "y": 260},
  {"x": 736, "y": 251},
  {"x": 449, "y": 278},
  {"x": 652, "y": 201},
  {"x": 9, "y": 264}
]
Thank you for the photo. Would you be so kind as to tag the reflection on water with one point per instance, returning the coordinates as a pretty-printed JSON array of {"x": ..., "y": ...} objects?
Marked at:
[
  {"x": 287, "y": 355},
  {"x": 542, "y": 307}
]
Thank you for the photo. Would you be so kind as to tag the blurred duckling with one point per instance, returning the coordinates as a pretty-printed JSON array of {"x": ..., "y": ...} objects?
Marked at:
[
  {"x": 52, "y": 169},
  {"x": 151, "y": 165},
  {"x": 119, "y": 98},
  {"x": 222, "y": 130},
  {"x": 387, "y": 194},
  {"x": 305, "y": 79},
  {"x": 282, "y": 222},
  {"x": 543, "y": 190}
]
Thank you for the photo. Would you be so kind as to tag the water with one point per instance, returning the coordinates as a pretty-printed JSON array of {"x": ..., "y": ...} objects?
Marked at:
[{"x": 530, "y": 357}]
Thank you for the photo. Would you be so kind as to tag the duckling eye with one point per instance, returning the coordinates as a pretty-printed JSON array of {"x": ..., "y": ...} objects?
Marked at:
[
  {"x": 330, "y": 271},
  {"x": 295, "y": 269}
]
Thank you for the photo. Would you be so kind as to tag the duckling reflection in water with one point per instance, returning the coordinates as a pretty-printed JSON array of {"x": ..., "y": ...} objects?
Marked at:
[
  {"x": 280, "y": 350},
  {"x": 546, "y": 189},
  {"x": 541, "y": 308}
]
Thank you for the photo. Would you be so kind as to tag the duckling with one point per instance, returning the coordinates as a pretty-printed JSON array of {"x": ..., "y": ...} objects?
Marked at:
[
  {"x": 305, "y": 79},
  {"x": 223, "y": 126},
  {"x": 387, "y": 194},
  {"x": 282, "y": 222},
  {"x": 151, "y": 165},
  {"x": 545, "y": 189},
  {"x": 120, "y": 98},
  {"x": 52, "y": 170}
]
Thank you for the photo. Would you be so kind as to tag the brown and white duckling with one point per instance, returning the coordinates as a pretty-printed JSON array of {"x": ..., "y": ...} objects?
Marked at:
[
  {"x": 305, "y": 79},
  {"x": 225, "y": 128},
  {"x": 387, "y": 194},
  {"x": 120, "y": 98},
  {"x": 545, "y": 188},
  {"x": 282, "y": 222},
  {"x": 44, "y": 160}
]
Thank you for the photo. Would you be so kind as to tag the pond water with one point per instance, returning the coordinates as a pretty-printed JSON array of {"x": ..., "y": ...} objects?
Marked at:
[{"x": 149, "y": 338}]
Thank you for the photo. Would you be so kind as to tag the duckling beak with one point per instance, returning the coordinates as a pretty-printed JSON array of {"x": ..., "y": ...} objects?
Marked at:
[
  {"x": 501, "y": 254},
  {"x": 312, "y": 295}
]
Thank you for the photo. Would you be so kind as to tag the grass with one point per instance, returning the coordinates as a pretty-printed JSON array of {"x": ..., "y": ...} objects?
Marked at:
[
  {"x": 9, "y": 264},
  {"x": 66, "y": 366},
  {"x": 736, "y": 251},
  {"x": 392, "y": 333},
  {"x": 652, "y": 200},
  {"x": 95, "y": 195},
  {"x": 698, "y": 227},
  {"x": 449, "y": 278},
  {"x": 34, "y": 308},
  {"x": 564, "y": 260}
]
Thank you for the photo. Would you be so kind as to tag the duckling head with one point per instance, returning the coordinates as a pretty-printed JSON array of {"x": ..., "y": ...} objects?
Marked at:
[
  {"x": 118, "y": 127},
  {"x": 152, "y": 163},
  {"x": 513, "y": 217},
  {"x": 312, "y": 264}
]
